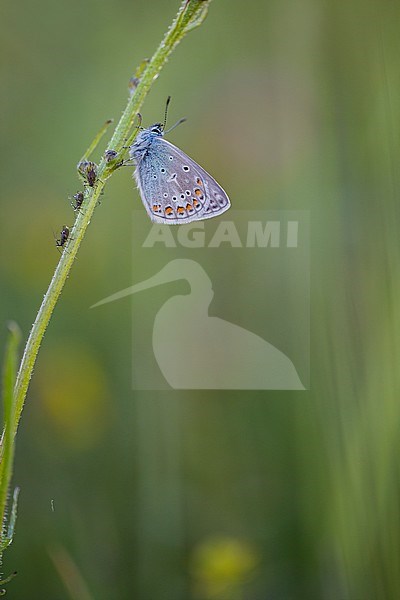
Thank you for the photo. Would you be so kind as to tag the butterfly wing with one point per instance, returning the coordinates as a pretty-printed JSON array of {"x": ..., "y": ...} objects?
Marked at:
[{"x": 175, "y": 189}]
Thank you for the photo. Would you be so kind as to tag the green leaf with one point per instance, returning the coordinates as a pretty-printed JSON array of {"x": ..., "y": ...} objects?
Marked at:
[{"x": 200, "y": 9}]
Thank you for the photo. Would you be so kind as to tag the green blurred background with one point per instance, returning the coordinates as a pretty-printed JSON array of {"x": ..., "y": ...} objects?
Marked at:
[{"x": 207, "y": 495}]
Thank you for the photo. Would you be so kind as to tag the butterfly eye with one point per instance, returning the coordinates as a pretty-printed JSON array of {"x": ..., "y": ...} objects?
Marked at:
[{"x": 157, "y": 128}]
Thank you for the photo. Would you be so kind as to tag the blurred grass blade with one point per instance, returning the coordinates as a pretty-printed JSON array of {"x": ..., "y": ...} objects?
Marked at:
[
  {"x": 96, "y": 140},
  {"x": 69, "y": 572},
  {"x": 5, "y": 581},
  {"x": 6, "y": 466}
]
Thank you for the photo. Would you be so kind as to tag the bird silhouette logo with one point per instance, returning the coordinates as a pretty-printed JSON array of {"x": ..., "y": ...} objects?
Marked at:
[{"x": 197, "y": 351}]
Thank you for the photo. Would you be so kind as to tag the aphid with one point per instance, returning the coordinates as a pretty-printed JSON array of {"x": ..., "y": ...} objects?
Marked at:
[
  {"x": 91, "y": 173},
  {"x": 110, "y": 155},
  {"x": 134, "y": 81},
  {"x": 132, "y": 85},
  {"x": 79, "y": 198},
  {"x": 64, "y": 234},
  {"x": 88, "y": 170}
]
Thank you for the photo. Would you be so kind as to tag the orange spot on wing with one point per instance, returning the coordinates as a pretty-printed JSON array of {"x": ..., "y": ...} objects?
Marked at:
[
  {"x": 168, "y": 210},
  {"x": 180, "y": 210},
  {"x": 198, "y": 192},
  {"x": 189, "y": 206},
  {"x": 199, "y": 181}
]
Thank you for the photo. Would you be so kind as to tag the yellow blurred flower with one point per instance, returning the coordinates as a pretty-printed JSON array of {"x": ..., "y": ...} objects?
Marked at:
[{"x": 221, "y": 566}]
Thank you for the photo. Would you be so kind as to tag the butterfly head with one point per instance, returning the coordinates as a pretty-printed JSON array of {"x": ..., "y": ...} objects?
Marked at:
[
  {"x": 157, "y": 129},
  {"x": 147, "y": 136},
  {"x": 145, "y": 139}
]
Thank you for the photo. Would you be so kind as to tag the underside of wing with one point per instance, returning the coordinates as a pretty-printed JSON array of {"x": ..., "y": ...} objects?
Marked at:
[{"x": 175, "y": 189}]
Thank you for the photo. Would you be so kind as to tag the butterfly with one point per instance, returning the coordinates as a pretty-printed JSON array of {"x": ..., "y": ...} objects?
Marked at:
[{"x": 173, "y": 187}]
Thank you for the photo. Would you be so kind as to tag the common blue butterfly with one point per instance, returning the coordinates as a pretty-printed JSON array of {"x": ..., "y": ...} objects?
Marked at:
[{"x": 173, "y": 187}]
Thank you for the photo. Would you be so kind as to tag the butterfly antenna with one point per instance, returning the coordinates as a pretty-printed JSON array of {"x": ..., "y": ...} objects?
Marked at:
[
  {"x": 166, "y": 111},
  {"x": 176, "y": 124}
]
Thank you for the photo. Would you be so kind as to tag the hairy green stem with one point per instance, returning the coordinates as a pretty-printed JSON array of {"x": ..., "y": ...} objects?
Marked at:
[{"x": 190, "y": 15}]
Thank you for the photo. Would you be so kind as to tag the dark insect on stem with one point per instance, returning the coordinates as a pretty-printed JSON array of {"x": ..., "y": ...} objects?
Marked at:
[
  {"x": 64, "y": 234},
  {"x": 79, "y": 198},
  {"x": 132, "y": 85},
  {"x": 134, "y": 81},
  {"x": 91, "y": 174},
  {"x": 110, "y": 155},
  {"x": 88, "y": 171}
]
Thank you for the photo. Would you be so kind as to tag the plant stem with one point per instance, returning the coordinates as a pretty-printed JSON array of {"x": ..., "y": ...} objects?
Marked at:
[{"x": 189, "y": 16}]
